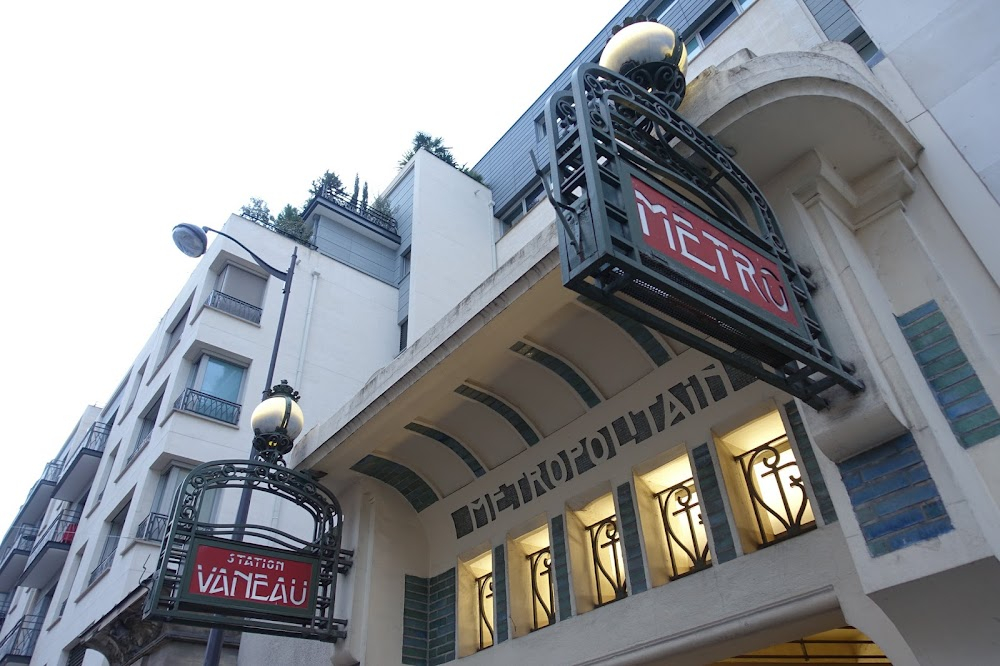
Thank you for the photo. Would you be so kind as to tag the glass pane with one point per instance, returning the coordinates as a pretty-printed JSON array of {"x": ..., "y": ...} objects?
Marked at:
[
  {"x": 222, "y": 379},
  {"x": 693, "y": 47},
  {"x": 718, "y": 23}
]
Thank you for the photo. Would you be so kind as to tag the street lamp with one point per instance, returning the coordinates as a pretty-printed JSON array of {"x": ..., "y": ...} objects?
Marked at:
[{"x": 276, "y": 421}]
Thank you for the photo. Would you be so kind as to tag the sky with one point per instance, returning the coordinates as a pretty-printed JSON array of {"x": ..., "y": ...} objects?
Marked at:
[{"x": 119, "y": 120}]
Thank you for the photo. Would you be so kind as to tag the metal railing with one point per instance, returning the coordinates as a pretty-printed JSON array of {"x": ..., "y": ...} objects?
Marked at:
[
  {"x": 378, "y": 218},
  {"x": 484, "y": 588},
  {"x": 777, "y": 492},
  {"x": 50, "y": 474},
  {"x": 24, "y": 539},
  {"x": 5, "y": 601},
  {"x": 687, "y": 544},
  {"x": 140, "y": 444},
  {"x": 608, "y": 560},
  {"x": 543, "y": 607},
  {"x": 95, "y": 439},
  {"x": 152, "y": 527},
  {"x": 208, "y": 405},
  {"x": 20, "y": 641},
  {"x": 103, "y": 565},
  {"x": 234, "y": 306},
  {"x": 61, "y": 530}
]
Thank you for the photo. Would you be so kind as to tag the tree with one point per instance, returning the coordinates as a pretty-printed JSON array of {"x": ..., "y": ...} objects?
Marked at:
[
  {"x": 381, "y": 205},
  {"x": 257, "y": 211},
  {"x": 364, "y": 196},
  {"x": 328, "y": 181},
  {"x": 354, "y": 194},
  {"x": 290, "y": 222},
  {"x": 432, "y": 144}
]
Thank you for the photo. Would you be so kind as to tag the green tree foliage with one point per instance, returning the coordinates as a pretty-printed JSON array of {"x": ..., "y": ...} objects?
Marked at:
[
  {"x": 257, "y": 211},
  {"x": 432, "y": 144},
  {"x": 364, "y": 196},
  {"x": 354, "y": 194},
  {"x": 380, "y": 204},
  {"x": 328, "y": 181},
  {"x": 290, "y": 221}
]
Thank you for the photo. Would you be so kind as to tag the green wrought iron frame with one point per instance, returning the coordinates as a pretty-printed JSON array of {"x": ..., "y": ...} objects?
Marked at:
[
  {"x": 607, "y": 129},
  {"x": 187, "y": 529}
]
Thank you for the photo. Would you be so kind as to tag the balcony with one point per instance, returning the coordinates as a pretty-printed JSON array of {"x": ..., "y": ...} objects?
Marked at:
[
  {"x": 34, "y": 506},
  {"x": 50, "y": 550},
  {"x": 366, "y": 214},
  {"x": 5, "y": 600},
  {"x": 18, "y": 645},
  {"x": 209, "y": 406},
  {"x": 19, "y": 543},
  {"x": 234, "y": 306},
  {"x": 152, "y": 527},
  {"x": 80, "y": 466}
]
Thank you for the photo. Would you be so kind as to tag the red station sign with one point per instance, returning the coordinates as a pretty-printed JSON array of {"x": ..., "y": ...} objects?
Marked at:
[
  {"x": 253, "y": 576},
  {"x": 689, "y": 240}
]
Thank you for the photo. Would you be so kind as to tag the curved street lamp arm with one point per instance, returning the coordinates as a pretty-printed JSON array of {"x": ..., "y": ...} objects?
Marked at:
[{"x": 281, "y": 275}]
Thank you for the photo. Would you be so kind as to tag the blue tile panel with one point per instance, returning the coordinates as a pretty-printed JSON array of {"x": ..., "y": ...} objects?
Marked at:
[
  {"x": 564, "y": 371},
  {"x": 953, "y": 381},
  {"x": 409, "y": 484},
  {"x": 415, "y": 614},
  {"x": 429, "y": 619},
  {"x": 656, "y": 352},
  {"x": 456, "y": 447},
  {"x": 526, "y": 432},
  {"x": 712, "y": 505},
  {"x": 631, "y": 540},
  {"x": 500, "y": 594},
  {"x": 809, "y": 464},
  {"x": 893, "y": 496},
  {"x": 560, "y": 564}
]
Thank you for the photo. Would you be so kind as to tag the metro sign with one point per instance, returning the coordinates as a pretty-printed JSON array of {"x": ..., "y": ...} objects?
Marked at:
[
  {"x": 233, "y": 574},
  {"x": 697, "y": 245}
]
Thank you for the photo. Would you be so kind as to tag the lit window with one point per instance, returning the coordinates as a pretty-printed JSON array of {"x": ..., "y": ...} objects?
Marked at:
[
  {"x": 768, "y": 479},
  {"x": 532, "y": 587},
  {"x": 599, "y": 572},
  {"x": 476, "y": 621}
]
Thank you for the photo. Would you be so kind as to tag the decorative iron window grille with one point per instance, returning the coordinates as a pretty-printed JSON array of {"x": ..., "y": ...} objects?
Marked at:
[
  {"x": 152, "y": 527},
  {"x": 608, "y": 560},
  {"x": 234, "y": 306},
  {"x": 20, "y": 640},
  {"x": 102, "y": 566},
  {"x": 542, "y": 593},
  {"x": 204, "y": 404},
  {"x": 687, "y": 544},
  {"x": 484, "y": 596},
  {"x": 777, "y": 494}
]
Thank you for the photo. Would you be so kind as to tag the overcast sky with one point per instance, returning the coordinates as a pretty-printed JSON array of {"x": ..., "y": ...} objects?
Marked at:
[{"x": 120, "y": 120}]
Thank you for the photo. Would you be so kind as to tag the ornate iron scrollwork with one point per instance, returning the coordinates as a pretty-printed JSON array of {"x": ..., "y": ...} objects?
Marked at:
[
  {"x": 773, "y": 480},
  {"x": 484, "y": 596},
  {"x": 687, "y": 545},
  {"x": 542, "y": 592},
  {"x": 608, "y": 560}
]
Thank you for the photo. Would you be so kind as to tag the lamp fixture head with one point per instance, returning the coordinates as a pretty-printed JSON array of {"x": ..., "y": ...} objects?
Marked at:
[
  {"x": 189, "y": 239},
  {"x": 651, "y": 54},
  {"x": 277, "y": 421}
]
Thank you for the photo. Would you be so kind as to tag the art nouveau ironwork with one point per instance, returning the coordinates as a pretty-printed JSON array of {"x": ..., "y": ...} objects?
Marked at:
[
  {"x": 542, "y": 592},
  {"x": 608, "y": 562},
  {"x": 484, "y": 604},
  {"x": 777, "y": 493},
  {"x": 246, "y": 576},
  {"x": 687, "y": 545},
  {"x": 658, "y": 222}
]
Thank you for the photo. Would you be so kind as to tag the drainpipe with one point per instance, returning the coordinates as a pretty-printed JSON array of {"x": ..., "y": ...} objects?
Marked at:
[{"x": 305, "y": 328}]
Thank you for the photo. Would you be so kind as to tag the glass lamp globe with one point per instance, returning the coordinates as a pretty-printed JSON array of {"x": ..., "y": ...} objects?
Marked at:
[
  {"x": 190, "y": 240},
  {"x": 277, "y": 421},
  {"x": 641, "y": 44}
]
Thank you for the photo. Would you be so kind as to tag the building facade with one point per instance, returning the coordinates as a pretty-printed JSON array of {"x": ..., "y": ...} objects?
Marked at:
[{"x": 530, "y": 476}]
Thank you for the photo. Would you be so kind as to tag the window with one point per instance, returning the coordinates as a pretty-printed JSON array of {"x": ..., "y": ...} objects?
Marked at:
[
  {"x": 714, "y": 26},
  {"x": 770, "y": 502},
  {"x": 404, "y": 265},
  {"x": 239, "y": 293},
  {"x": 146, "y": 425},
  {"x": 175, "y": 331},
  {"x": 521, "y": 207},
  {"x": 597, "y": 552},
  {"x": 476, "y": 603},
  {"x": 214, "y": 390},
  {"x": 153, "y": 526},
  {"x": 106, "y": 473},
  {"x": 136, "y": 385},
  {"x": 403, "y": 332},
  {"x": 532, "y": 593},
  {"x": 69, "y": 582},
  {"x": 111, "y": 539},
  {"x": 540, "y": 129}
]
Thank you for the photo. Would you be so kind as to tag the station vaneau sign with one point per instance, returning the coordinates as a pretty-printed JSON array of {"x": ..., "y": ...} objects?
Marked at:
[{"x": 657, "y": 221}]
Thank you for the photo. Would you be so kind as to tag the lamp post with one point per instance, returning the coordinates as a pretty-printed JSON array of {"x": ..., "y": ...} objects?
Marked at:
[{"x": 276, "y": 421}]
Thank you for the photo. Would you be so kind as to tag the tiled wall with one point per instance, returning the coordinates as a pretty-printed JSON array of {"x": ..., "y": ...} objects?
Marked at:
[{"x": 429, "y": 619}]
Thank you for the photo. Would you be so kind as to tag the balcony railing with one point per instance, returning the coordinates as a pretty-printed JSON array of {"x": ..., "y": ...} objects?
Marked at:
[
  {"x": 234, "y": 306},
  {"x": 20, "y": 642},
  {"x": 777, "y": 492},
  {"x": 95, "y": 439},
  {"x": 208, "y": 405},
  {"x": 103, "y": 566},
  {"x": 608, "y": 560},
  {"x": 684, "y": 528},
  {"x": 24, "y": 540},
  {"x": 61, "y": 531},
  {"x": 377, "y": 218},
  {"x": 49, "y": 475},
  {"x": 152, "y": 527},
  {"x": 5, "y": 601}
]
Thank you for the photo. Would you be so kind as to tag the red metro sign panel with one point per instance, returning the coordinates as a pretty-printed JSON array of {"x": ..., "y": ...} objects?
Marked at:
[
  {"x": 233, "y": 574},
  {"x": 690, "y": 241}
]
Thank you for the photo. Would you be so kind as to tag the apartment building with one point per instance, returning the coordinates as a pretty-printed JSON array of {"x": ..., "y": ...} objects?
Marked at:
[{"x": 530, "y": 476}]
